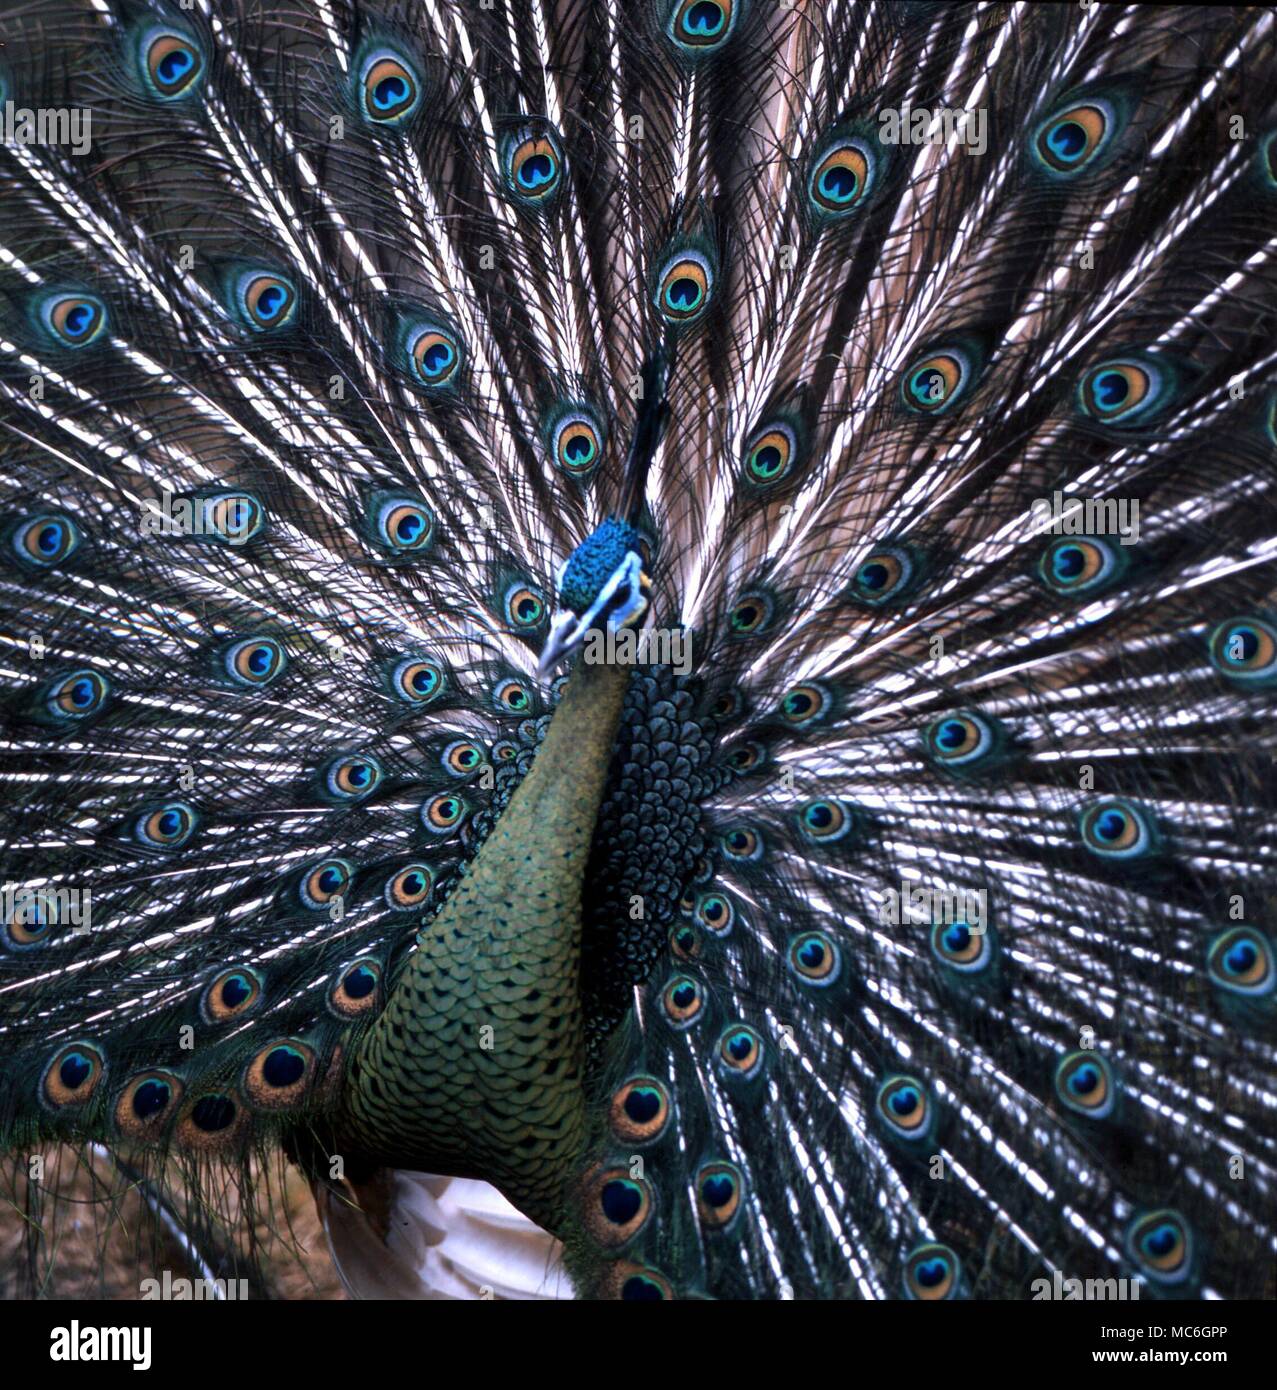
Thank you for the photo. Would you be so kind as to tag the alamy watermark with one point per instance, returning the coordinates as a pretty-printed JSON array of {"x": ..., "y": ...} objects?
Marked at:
[
  {"x": 1064, "y": 515},
  {"x": 1057, "y": 1286},
  {"x": 932, "y": 906},
  {"x": 907, "y": 125},
  {"x": 192, "y": 1290},
  {"x": 67, "y": 126},
  {"x": 232, "y": 519},
  {"x": 41, "y": 907},
  {"x": 653, "y": 646}
]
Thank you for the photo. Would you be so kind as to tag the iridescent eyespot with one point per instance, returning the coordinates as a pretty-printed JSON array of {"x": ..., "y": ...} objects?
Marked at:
[
  {"x": 277, "y": 1076},
  {"x": 1071, "y": 140},
  {"x": 888, "y": 574},
  {"x": 72, "y": 1076},
  {"x": 416, "y": 680},
  {"x": 805, "y": 705},
  {"x": 771, "y": 454},
  {"x": 401, "y": 524},
  {"x": 1245, "y": 650},
  {"x": 28, "y": 917},
  {"x": 1117, "y": 829},
  {"x": 388, "y": 88},
  {"x": 166, "y": 826},
  {"x": 714, "y": 911},
  {"x": 504, "y": 751},
  {"x": 512, "y": 697},
  {"x": 576, "y": 441},
  {"x": 409, "y": 887},
  {"x": 814, "y": 958},
  {"x": 265, "y": 301},
  {"x": 825, "y": 821},
  {"x": 324, "y": 882},
  {"x": 932, "y": 1273},
  {"x": 685, "y": 942},
  {"x": 718, "y": 1194},
  {"x": 461, "y": 757},
  {"x": 938, "y": 381},
  {"x": 684, "y": 287},
  {"x": 640, "y": 1110},
  {"x": 728, "y": 705},
  {"x": 1077, "y": 565},
  {"x": 683, "y": 1001},
  {"x": 905, "y": 1107},
  {"x": 842, "y": 176},
  {"x": 146, "y": 1104},
  {"x": 617, "y": 1206},
  {"x": 171, "y": 63},
  {"x": 740, "y": 1051},
  {"x": 1160, "y": 1243},
  {"x": 702, "y": 26},
  {"x": 74, "y": 319},
  {"x": 1241, "y": 961},
  {"x": 533, "y": 167},
  {"x": 211, "y": 1122},
  {"x": 963, "y": 740},
  {"x": 1084, "y": 1082},
  {"x": 433, "y": 353},
  {"x": 960, "y": 947},
  {"x": 234, "y": 517},
  {"x": 742, "y": 842},
  {"x": 634, "y": 1283},
  {"x": 1124, "y": 392},
  {"x": 357, "y": 990},
  {"x": 745, "y": 757},
  {"x": 524, "y": 607},
  {"x": 255, "y": 661},
  {"x": 752, "y": 613},
  {"x": 45, "y": 540},
  {"x": 443, "y": 813},
  {"x": 231, "y": 995},
  {"x": 76, "y": 696},
  {"x": 352, "y": 778}
]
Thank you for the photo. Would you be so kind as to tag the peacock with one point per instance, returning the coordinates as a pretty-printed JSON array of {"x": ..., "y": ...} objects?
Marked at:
[{"x": 664, "y": 605}]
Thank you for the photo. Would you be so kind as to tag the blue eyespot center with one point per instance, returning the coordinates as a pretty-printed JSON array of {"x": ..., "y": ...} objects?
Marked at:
[
  {"x": 213, "y": 1113},
  {"x": 839, "y": 184},
  {"x": 958, "y": 938},
  {"x": 905, "y": 1101},
  {"x": 235, "y": 991},
  {"x": 390, "y": 92},
  {"x": 930, "y": 1273},
  {"x": 951, "y": 734},
  {"x": 683, "y": 294},
  {"x": 1067, "y": 141},
  {"x": 621, "y": 1201},
  {"x": 1110, "y": 825},
  {"x": 1111, "y": 389},
  {"x": 150, "y": 1098},
  {"x": 361, "y": 982},
  {"x": 284, "y": 1066},
  {"x": 718, "y": 1190},
  {"x": 704, "y": 20},
  {"x": 75, "y": 1070},
  {"x": 642, "y": 1105},
  {"x": 1068, "y": 561}
]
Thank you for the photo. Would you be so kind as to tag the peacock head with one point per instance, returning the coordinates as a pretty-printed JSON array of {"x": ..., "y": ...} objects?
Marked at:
[{"x": 601, "y": 586}]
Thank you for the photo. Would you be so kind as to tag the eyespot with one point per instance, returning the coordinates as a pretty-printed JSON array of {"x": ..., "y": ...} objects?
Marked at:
[
  {"x": 211, "y": 1122},
  {"x": 1267, "y": 160},
  {"x": 814, "y": 958},
  {"x": 167, "y": 826},
  {"x": 576, "y": 443},
  {"x": 905, "y": 1107},
  {"x": 685, "y": 942},
  {"x": 956, "y": 945},
  {"x": 512, "y": 697},
  {"x": 714, "y": 911},
  {"x": 825, "y": 821},
  {"x": 533, "y": 168},
  {"x": 718, "y": 1194},
  {"x": 685, "y": 287},
  {"x": 752, "y": 613},
  {"x": 932, "y": 1272},
  {"x": 75, "y": 319},
  {"x": 462, "y": 758},
  {"x": 146, "y": 1104},
  {"x": 389, "y": 89},
  {"x": 409, "y": 888},
  {"x": 740, "y": 1051},
  {"x": 403, "y": 525},
  {"x": 357, "y": 991},
  {"x": 277, "y": 1077},
  {"x": 962, "y": 740},
  {"x": 416, "y": 680},
  {"x": 1161, "y": 1245},
  {"x": 805, "y": 705},
  {"x": 231, "y": 995},
  {"x": 888, "y": 574},
  {"x": 434, "y": 354},
  {"x": 1241, "y": 961},
  {"x": 504, "y": 751},
  {"x": 745, "y": 757},
  {"x": 640, "y": 1111},
  {"x": 937, "y": 382},
  {"x": 1117, "y": 829},
  {"x": 1074, "y": 565},
  {"x": 234, "y": 517},
  {"x": 728, "y": 705},
  {"x": 1245, "y": 650},
  {"x": 1123, "y": 392},
  {"x": 72, "y": 1076},
  {"x": 524, "y": 607},
  {"x": 323, "y": 882},
  {"x": 442, "y": 814},
  {"x": 633, "y": 1283},
  {"x": 702, "y": 26},
  {"x": 771, "y": 455},
  {"x": 255, "y": 661},
  {"x": 353, "y": 778},
  {"x": 76, "y": 696},
  {"x": 842, "y": 177},
  {"x": 683, "y": 1001},
  {"x": 171, "y": 63},
  {"x": 28, "y": 919},
  {"x": 45, "y": 540},
  {"x": 617, "y": 1206},
  {"x": 742, "y": 842},
  {"x": 1068, "y": 142},
  {"x": 265, "y": 301},
  {"x": 1084, "y": 1082}
]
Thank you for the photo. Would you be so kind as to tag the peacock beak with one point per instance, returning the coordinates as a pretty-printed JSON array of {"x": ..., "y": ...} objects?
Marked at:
[{"x": 567, "y": 632}]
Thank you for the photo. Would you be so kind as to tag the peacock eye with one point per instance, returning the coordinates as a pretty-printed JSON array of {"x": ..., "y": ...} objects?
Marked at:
[
  {"x": 932, "y": 1273},
  {"x": 577, "y": 444},
  {"x": 640, "y": 1110},
  {"x": 443, "y": 813},
  {"x": 503, "y": 751},
  {"x": 146, "y": 1104},
  {"x": 45, "y": 540},
  {"x": 888, "y": 574},
  {"x": 905, "y": 1107},
  {"x": 324, "y": 882},
  {"x": 75, "y": 319},
  {"x": 403, "y": 525},
  {"x": 416, "y": 680},
  {"x": 433, "y": 353},
  {"x": 728, "y": 706},
  {"x": 1070, "y": 566},
  {"x": 683, "y": 1001},
  {"x": 409, "y": 887},
  {"x": 1116, "y": 829},
  {"x": 684, "y": 287},
  {"x": 825, "y": 821},
  {"x": 814, "y": 958},
  {"x": 842, "y": 176},
  {"x": 462, "y": 757},
  {"x": 356, "y": 991},
  {"x": 1241, "y": 961},
  {"x": 265, "y": 301},
  {"x": 389, "y": 90},
  {"x": 746, "y": 756},
  {"x": 171, "y": 63},
  {"x": 278, "y": 1074},
  {"x": 937, "y": 382},
  {"x": 715, "y": 913},
  {"x": 512, "y": 697},
  {"x": 718, "y": 1194},
  {"x": 954, "y": 944},
  {"x": 741, "y": 842},
  {"x": 524, "y": 607},
  {"x": 751, "y": 613},
  {"x": 77, "y": 696},
  {"x": 771, "y": 455},
  {"x": 1245, "y": 650},
  {"x": 533, "y": 168},
  {"x": 805, "y": 705},
  {"x": 1160, "y": 1245},
  {"x": 231, "y": 995},
  {"x": 701, "y": 26},
  {"x": 685, "y": 942},
  {"x": 1070, "y": 141},
  {"x": 1084, "y": 1083},
  {"x": 1123, "y": 392},
  {"x": 234, "y": 517},
  {"x": 618, "y": 1206},
  {"x": 72, "y": 1076},
  {"x": 166, "y": 827},
  {"x": 740, "y": 1051},
  {"x": 962, "y": 740},
  {"x": 255, "y": 661},
  {"x": 353, "y": 779}
]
